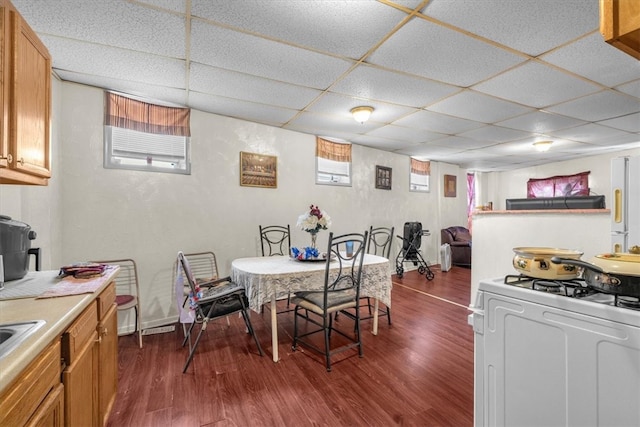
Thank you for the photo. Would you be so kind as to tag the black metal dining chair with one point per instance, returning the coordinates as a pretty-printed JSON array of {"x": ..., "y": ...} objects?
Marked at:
[
  {"x": 276, "y": 240},
  {"x": 222, "y": 298},
  {"x": 340, "y": 291}
]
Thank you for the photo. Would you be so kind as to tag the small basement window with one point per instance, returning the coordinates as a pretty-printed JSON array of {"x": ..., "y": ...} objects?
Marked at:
[
  {"x": 333, "y": 162},
  {"x": 420, "y": 175},
  {"x": 145, "y": 137}
]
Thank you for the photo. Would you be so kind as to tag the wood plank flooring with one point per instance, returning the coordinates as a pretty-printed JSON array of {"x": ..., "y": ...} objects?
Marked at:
[{"x": 416, "y": 372}]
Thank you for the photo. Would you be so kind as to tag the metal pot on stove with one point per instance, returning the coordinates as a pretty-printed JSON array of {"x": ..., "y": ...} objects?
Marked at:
[
  {"x": 536, "y": 262},
  {"x": 616, "y": 273},
  {"x": 15, "y": 244}
]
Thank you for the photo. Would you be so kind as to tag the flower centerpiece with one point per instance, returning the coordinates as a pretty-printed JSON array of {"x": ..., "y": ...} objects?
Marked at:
[{"x": 313, "y": 221}]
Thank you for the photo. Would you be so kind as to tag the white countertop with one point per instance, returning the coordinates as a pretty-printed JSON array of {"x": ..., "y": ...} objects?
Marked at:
[{"x": 58, "y": 313}]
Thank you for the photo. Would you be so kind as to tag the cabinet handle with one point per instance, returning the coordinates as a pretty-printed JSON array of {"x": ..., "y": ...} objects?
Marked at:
[
  {"x": 21, "y": 161},
  {"x": 9, "y": 158},
  {"x": 105, "y": 331}
]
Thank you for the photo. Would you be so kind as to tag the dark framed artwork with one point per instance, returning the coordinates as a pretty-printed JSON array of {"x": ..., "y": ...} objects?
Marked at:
[
  {"x": 258, "y": 170},
  {"x": 383, "y": 178},
  {"x": 449, "y": 186}
]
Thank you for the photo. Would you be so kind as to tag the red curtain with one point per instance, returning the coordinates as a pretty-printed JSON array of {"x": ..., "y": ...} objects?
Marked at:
[
  {"x": 471, "y": 197},
  {"x": 559, "y": 186}
]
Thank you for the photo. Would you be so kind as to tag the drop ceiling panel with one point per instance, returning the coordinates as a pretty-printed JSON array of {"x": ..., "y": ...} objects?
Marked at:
[
  {"x": 437, "y": 122},
  {"x": 248, "y": 54},
  {"x": 595, "y": 60},
  {"x": 116, "y": 63},
  {"x": 495, "y": 134},
  {"x": 375, "y": 83},
  {"x": 341, "y": 105},
  {"x": 600, "y": 106},
  {"x": 274, "y": 116},
  {"x": 425, "y": 49},
  {"x": 540, "y": 122},
  {"x": 231, "y": 84},
  {"x": 590, "y": 132},
  {"x": 536, "y": 85},
  {"x": 533, "y": 27},
  {"x": 461, "y": 143},
  {"x": 342, "y": 28},
  {"x": 405, "y": 134},
  {"x": 478, "y": 107},
  {"x": 630, "y": 123},
  {"x": 109, "y": 23},
  {"x": 631, "y": 88}
]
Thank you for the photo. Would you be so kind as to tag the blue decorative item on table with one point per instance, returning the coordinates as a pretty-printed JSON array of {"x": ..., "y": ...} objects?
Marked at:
[{"x": 306, "y": 253}]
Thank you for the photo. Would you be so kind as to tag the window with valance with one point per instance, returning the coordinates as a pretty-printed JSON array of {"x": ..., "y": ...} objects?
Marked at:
[
  {"x": 333, "y": 162},
  {"x": 420, "y": 175},
  {"x": 140, "y": 135}
]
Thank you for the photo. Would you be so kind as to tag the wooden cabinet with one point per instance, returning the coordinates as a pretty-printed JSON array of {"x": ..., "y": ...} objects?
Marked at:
[
  {"x": 35, "y": 398},
  {"x": 25, "y": 99},
  {"x": 620, "y": 25},
  {"x": 80, "y": 388},
  {"x": 107, "y": 353}
]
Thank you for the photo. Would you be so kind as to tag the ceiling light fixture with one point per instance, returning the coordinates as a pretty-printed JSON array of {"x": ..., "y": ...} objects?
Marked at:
[
  {"x": 542, "y": 146},
  {"x": 361, "y": 114}
]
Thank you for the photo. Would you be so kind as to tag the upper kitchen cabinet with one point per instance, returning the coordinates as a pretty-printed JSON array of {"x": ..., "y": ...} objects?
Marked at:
[
  {"x": 620, "y": 25},
  {"x": 25, "y": 99}
]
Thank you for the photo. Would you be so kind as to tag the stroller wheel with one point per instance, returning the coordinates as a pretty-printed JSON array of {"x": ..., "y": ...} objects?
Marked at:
[
  {"x": 421, "y": 269},
  {"x": 399, "y": 272},
  {"x": 430, "y": 275}
]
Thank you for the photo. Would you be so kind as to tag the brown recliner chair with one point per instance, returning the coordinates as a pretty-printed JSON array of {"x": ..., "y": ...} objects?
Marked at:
[{"x": 459, "y": 238}]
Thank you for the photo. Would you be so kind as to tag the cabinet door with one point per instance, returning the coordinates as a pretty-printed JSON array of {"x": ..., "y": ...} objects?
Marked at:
[
  {"x": 80, "y": 387},
  {"x": 108, "y": 362},
  {"x": 31, "y": 101},
  {"x": 51, "y": 411},
  {"x": 4, "y": 84}
]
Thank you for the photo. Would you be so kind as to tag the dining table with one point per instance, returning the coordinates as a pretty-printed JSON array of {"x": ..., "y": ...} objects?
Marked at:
[{"x": 267, "y": 279}]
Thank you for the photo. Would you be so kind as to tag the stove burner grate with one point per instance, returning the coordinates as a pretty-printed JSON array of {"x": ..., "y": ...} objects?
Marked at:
[{"x": 627, "y": 302}]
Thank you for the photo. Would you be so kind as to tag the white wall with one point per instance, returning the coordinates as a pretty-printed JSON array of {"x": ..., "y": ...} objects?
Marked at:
[{"x": 88, "y": 212}]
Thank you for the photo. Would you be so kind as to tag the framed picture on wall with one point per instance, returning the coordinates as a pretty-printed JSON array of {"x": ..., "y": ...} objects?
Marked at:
[
  {"x": 449, "y": 186},
  {"x": 258, "y": 170},
  {"x": 383, "y": 178}
]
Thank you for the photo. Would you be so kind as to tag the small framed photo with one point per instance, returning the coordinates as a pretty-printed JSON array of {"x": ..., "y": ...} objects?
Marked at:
[
  {"x": 258, "y": 170},
  {"x": 449, "y": 186},
  {"x": 383, "y": 178}
]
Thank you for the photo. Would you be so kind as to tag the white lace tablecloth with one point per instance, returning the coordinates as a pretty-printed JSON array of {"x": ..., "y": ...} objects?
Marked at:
[{"x": 263, "y": 277}]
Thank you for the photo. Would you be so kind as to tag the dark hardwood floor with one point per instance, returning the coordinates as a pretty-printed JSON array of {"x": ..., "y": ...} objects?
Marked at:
[{"x": 416, "y": 372}]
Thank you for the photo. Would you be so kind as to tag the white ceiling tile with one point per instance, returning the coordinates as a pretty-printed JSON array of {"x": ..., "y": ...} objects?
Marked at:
[
  {"x": 108, "y": 23},
  {"x": 533, "y": 27},
  {"x": 404, "y": 134},
  {"x": 629, "y": 123},
  {"x": 345, "y": 28},
  {"x": 597, "y": 60},
  {"x": 600, "y": 106},
  {"x": 494, "y": 134},
  {"x": 375, "y": 83},
  {"x": 631, "y": 88},
  {"x": 382, "y": 143},
  {"x": 318, "y": 124},
  {"x": 425, "y": 49},
  {"x": 172, "y": 5},
  {"x": 478, "y": 107},
  {"x": 163, "y": 95},
  {"x": 536, "y": 85},
  {"x": 459, "y": 142},
  {"x": 236, "y": 51},
  {"x": 273, "y": 116},
  {"x": 588, "y": 133},
  {"x": 123, "y": 64},
  {"x": 437, "y": 122},
  {"x": 540, "y": 122},
  {"x": 230, "y": 84}
]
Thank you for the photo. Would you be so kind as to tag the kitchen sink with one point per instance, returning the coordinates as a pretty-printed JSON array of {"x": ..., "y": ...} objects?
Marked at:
[{"x": 13, "y": 334}]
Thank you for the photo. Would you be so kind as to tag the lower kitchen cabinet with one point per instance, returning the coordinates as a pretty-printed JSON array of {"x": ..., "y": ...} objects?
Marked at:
[
  {"x": 107, "y": 355},
  {"x": 80, "y": 388},
  {"x": 35, "y": 398}
]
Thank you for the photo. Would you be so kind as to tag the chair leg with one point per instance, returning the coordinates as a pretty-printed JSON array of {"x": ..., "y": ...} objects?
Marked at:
[
  {"x": 389, "y": 315},
  {"x": 247, "y": 322},
  {"x": 138, "y": 326},
  {"x": 195, "y": 345},
  {"x": 327, "y": 340},
  {"x": 295, "y": 329}
]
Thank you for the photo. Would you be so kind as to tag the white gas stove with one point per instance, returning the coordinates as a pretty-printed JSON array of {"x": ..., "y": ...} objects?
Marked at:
[{"x": 555, "y": 355}]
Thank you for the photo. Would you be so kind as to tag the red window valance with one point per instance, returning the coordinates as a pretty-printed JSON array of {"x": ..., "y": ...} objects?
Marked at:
[
  {"x": 333, "y": 150},
  {"x": 559, "y": 186},
  {"x": 420, "y": 167}
]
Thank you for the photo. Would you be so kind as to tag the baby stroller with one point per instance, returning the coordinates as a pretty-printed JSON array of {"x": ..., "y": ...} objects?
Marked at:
[{"x": 410, "y": 252}]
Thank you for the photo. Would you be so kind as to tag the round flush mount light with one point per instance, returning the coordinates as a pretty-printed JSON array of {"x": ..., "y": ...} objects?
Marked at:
[
  {"x": 542, "y": 146},
  {"x": 361, "y": 114}
]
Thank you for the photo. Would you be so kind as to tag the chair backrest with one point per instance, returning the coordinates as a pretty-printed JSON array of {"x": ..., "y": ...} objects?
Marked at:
[
  {"x": 380, "y": 239},
  {"x": 190, "y": 279},
  {"x": 203, "y": 265},
  {"x": 275, "y": 240},
  {"x": 127, "y": 279},
  {"x": 348, "y": 273}
]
